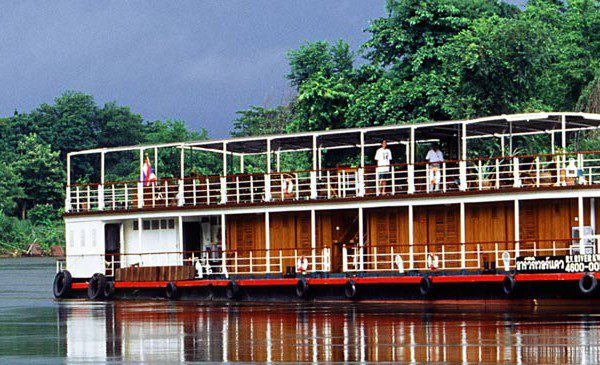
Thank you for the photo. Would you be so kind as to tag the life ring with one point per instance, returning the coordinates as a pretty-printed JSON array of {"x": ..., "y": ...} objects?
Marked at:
[
  {"x": 350, "y": 290},
  {"x": 508, "y": 285},
  {"x": 96, "y": 286},
  {"x": 62, "y": 284},
  {"x": 232, "y": 291},
  {"x": 425, "y": 286},
  {"x": 302, "y": 265},
  {"x": 302, "y": 288},
  {"x": 171, "y": 291},
  {"x": 109, "y": 289},
  {"x": 588, "y": 284},
  {"x": 433, "y": 261}
]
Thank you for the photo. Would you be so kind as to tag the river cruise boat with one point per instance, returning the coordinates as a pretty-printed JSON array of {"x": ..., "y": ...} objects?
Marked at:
[{"x": 495, "y": 207}]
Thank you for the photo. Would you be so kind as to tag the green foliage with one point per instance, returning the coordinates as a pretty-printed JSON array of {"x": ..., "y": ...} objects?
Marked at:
[{"x": 41, "y": 172}]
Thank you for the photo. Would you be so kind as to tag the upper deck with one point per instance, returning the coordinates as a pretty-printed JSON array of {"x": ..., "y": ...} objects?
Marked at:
[{"x": 559, "y": 164}]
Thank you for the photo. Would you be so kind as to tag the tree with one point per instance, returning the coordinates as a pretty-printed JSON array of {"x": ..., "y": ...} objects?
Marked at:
[
  {"x": 319, "y": 57},
  {"x": 41, "y": 173},
  {"x": 257, "y": 121},
  {"x": 10, "y": 188}
]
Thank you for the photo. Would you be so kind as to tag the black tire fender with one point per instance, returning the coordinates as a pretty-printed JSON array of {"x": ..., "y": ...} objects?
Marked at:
[
  {"x": 109, "y": 289},
  {"x": 588, "y": 284},
  {"x": 302, "y": 288},
  {"x": 425, "y": 286},
  {"x": 62, "y": 284},
  {"x": 350, "y": 290},
  {"x": 508, "y": 285},
  {"x": 232, "y": 290},
  {"x": 96, "y": 286},
  {"x": 171, "y": 291}
]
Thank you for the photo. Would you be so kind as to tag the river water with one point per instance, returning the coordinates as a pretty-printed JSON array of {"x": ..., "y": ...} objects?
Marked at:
[{"x": 36, "y": 329}]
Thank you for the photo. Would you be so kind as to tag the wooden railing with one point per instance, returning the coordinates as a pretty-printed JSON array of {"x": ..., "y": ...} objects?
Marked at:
[{"x": 513, "y": 172}]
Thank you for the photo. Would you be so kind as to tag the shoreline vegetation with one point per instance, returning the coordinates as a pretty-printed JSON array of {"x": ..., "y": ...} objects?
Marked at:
[{"x": 425, "y": 60}]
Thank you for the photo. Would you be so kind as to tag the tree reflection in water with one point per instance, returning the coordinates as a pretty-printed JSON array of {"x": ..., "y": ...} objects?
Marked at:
[{"x": 187, "y": 331}]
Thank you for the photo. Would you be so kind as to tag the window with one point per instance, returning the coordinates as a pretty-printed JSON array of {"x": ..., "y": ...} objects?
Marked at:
[
  {"x": 146, "y": 225},
  {"x": 135, "y": 225},
  {"x": 171, "y": 223},
  {"x": 163, "y": 224},
  {"x": 155, "y": 224}
]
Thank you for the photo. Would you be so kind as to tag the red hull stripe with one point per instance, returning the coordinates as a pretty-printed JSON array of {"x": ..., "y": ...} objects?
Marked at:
[{"x": 341, "y": 281}]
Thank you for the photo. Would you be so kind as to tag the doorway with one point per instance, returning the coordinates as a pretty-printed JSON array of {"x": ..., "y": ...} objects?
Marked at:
[{"x": 112, "y": 243}]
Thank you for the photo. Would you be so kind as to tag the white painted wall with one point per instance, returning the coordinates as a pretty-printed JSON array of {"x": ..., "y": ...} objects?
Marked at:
[
  {"x": 153, "y": 248},
  {"x": 85, "y": 248}
]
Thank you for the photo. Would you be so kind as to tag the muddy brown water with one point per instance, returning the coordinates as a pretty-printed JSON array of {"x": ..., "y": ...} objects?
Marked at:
[{"x": 36, "y": 329}]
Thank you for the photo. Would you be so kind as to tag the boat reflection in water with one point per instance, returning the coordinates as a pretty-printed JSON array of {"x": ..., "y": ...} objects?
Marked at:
[{"x": 164, "y": 331}]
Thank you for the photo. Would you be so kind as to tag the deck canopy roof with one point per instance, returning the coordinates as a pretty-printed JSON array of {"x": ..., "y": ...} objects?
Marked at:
[{"x": 498, "y": 126}]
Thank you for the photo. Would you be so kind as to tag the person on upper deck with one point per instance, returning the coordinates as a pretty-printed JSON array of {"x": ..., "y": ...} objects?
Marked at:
[
  {"x": 435, "y": 157},
  {"x": 383, "y": 156}
]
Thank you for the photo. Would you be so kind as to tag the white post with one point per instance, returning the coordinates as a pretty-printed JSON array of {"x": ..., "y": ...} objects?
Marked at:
[
  {"x": 182, "y": 162},
  {"x": 517, "y": 227},
  {"x": 563, "y": 127},
  {"x": 361, "y": 238},
  {"x": 580, "y": 218},
  {"x": 140, "y": 182},
  {"x": 101, "y": 186},
  {"x": 224, "y": 155},
  {"x": 268, "y": 172},
  {"x": 268, "y": 242},
  {"x": 362, "y": 149},
  {"x": 68, "y": 195},
  {"x": 463, "y": 158},
  {"x": 313, "y": 236},
  {"x": 241, "y": 164},
  {"x": 156, "y": 161},
  {"x": 411, "y": 163},
  {"x": 411, "y": 237},
  {"x": 552, "y": 143},
  {"x": 593, "y": 214},
  {"x": 140, "y": 228},
  {"x": 181, "y": 197},
  {"x": 278, "y": 160},
  {"x": 180, "y": 233},
  {"x": 223, "y": 245},
  {"x": 463, "y": 255}
]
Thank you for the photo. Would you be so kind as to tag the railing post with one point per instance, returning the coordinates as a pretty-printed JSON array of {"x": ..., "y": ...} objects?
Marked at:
[
  {"x": 516, "y": 173},
  {"x": 282, "y": 188},
  {"x": 251, "y": 188},
  {"x": 181, "y": 193},
  {"x": 237, "y": 189},
  {"x": 375, "y": 258},
  {"x": 393, "y": 180},
  {"x": 194, "y": 192},
  {"x": 426, "y": 258},
  {"x": 497, "y": 173},
  {"x": 313, "y": 185},
  {"x": 392, "y": 258},
  {"x": 444, "y": 177},
  {"x": 114, "y": 198},
  {"x": 462, "y": 167},
  {"x": 428, "y": 177},
  {"x": 411, "y": 257},
  {"x": 251, "y": 269},
  {"x": 344, "y": 259},
  {"x": 463, "y": 256},
  {"x": 297, "y": 186},
  {"x": 207, "y": 190},
  {"x": 140, "y": 194},
  {"x": 537, "y": 171},
  {"x": 153, "y": 195},
  {"x": 478, "y": 256},
  {"x": 235, "y": 261},
  {"x": 280, "y": 261},
  {"x": 361, "y": 181},
  {"x": 267, "y": 187},
  {"x": 480, "y": 174},
  {"x": 443, "y": 257},
  {"x": 101, "y": 197},
  {"x": 68, "y": 200},
  {"x": 411, "y": 179},
  {"x": 223, "y": 180}
]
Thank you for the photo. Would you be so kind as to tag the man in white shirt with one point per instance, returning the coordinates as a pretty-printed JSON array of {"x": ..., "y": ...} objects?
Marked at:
[
  {"x": 435, "y": 157},
  {"x": 383, "y": 156}
]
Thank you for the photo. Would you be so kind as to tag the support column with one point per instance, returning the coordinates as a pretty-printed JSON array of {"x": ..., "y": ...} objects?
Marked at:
[
  {"x": 140, "y": 190},
  {"x": 362, "y": 149},
  {"x": 223, "y": 178},
  {"x": 411, "y": 163},
  {"x": 223, "y": 245},
  {"x": 463, "y": 157},
  {"x": 224, "y": 156},
  {"x": 268, "y": 173},
  {"x": 180, "y": 233},
  {"x": 140, "y": 228},
  {"x": 552, "y": 142},
  {"x": 411, "y": 238},
  {"x": 182, "y": 162},
  {"x": 68, "y": 193},
  {"x": 315, "y": 153},
  {"x": 268, "y": 242},
  {"x": 361, "y": 237},
  {"x": 313, "y": 238},
  {"x": 241, "y": 164},
  {"x": 101, "y": 186},
  {"x": 156, "y": 161},
  {"x": 563, "y": 135},
  {"x": 463, "y": 250},
  {"x": 517, "y": 227},
  {"x": 580, "y": 218},
  {"x": 278, "y": 161}
]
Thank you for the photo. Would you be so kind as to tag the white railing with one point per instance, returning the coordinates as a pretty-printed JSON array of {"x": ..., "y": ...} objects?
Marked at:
[
  {"x": 450, "y": 257},
  {"x": 570, "y": 169},
  {"x": 255, "y": 262}
]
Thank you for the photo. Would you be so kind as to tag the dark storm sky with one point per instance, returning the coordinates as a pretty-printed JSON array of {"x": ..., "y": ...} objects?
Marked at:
[{"x": 199, "y": 61}]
